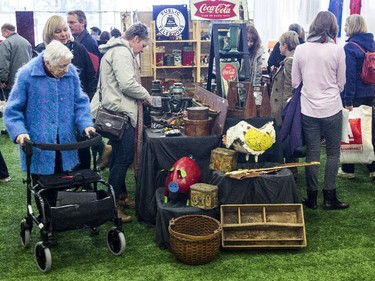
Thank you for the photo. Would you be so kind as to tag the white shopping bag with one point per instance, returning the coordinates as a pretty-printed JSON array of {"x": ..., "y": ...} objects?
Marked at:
[
  {"x": 346, "y": 130},
  {"x": 359, "y": 148}
]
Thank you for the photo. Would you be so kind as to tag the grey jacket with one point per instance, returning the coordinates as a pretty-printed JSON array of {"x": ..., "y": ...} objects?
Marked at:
[
  {"x": 282, "y": 89},
  {"x": 255, "y": 67},
  {"x": 119, "y": 80},
  {"x": 15, "y": 51}
]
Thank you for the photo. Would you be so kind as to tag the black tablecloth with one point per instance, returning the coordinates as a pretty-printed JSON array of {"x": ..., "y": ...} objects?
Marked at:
[
  {"x": 165, "y": 212},
  {"x": 158, "y": 156},
  {"x": 274, "y": 188}
]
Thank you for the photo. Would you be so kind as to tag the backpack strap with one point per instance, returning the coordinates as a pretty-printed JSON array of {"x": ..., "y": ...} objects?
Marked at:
[{"x": 358, "y": 46}]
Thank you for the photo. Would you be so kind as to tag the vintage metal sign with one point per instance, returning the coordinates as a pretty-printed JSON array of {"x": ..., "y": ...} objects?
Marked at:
[
  {"x": 215, "y": 9},
  {"x": 171, "y": 22}
]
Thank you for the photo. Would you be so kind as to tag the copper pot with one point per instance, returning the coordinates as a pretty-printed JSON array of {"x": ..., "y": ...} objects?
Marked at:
[
  {"x": 197, "y": 113},
  {"x": 197, "y": 128}
]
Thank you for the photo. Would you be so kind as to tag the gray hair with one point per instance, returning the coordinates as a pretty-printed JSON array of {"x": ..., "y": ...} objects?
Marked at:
[
  {"x": 299, "y": 29},
  {"x": 138, "y": 29},
  {"x": 290, "y": 38},
  {"x": 55, "y": 51},
  {"x": 8, "y": 26}
]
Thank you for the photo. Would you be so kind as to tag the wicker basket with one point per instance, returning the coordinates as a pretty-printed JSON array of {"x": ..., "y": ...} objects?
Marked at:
[{"x": 195, "y": 239}]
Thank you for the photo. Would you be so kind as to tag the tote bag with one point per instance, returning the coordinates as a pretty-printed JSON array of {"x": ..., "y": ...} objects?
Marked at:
[{"x": 359, "y": 148}]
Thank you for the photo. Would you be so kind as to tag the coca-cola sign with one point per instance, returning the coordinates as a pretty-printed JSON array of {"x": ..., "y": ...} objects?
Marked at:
[
  {"x": 215, "y": 10},
  {"x": 229, "y": 72}
]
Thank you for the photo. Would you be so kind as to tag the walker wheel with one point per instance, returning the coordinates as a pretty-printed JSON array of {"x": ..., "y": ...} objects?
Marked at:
[
  {"x": 43, "y": 257},
  {"x": 25, "y": 233},
  {"x": 116, "y": 241}
]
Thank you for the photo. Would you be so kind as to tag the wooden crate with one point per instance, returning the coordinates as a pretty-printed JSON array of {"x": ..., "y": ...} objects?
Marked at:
[{"x": 255, "y": 226}]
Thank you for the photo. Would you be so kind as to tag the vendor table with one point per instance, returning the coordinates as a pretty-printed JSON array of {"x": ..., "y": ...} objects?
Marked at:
[
  {"x": 158, "y": 156},
  {"x": 272, "y": 188}
]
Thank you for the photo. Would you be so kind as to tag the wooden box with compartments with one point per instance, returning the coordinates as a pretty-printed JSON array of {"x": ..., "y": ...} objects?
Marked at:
[{"x": 259, "y": 226}]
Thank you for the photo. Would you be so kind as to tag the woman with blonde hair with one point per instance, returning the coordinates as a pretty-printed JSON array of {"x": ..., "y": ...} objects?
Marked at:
[
  {"x": 56, "y": 28},
  {"x": 356, "y": 92},
  {"x": 319, "y": 64}
]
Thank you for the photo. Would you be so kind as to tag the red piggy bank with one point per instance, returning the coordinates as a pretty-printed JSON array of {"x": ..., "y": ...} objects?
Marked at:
[{"x": 182, "y": 175}]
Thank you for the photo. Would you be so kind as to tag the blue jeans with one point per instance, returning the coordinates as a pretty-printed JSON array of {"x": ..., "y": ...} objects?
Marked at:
[
  {"x": 122, "y": 158},
  {"x": 313, "y": 129}
]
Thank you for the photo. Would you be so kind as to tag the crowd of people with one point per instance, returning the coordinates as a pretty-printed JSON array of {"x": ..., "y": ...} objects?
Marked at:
[
  {"x": 58, "y": 91},
  {"x": 53, "y": 92},
  {"x": 329, "y": 78}
]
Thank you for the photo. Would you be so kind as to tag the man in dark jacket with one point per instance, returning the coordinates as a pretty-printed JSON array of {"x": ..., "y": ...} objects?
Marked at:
[{"x": 78, "y": 23}]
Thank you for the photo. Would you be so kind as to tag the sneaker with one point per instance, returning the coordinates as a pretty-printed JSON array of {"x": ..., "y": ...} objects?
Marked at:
[
  {"x": 372, "y": 175},
  {"x": 5, "y": 179},
  {"x": 345, "y": 175}
]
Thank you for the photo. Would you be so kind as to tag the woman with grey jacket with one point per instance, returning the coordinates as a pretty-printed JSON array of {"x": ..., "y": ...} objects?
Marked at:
[{"x": 121, "y": 90}]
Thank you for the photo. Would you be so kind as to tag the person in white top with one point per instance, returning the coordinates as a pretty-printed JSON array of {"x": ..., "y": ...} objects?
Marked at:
[{"x": 319, "y": 65}]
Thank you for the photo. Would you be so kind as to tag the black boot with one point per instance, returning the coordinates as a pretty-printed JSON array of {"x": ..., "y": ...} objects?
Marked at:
[
  {"x": 311, "y": 200},
  {"x": 331, "y": 202}
]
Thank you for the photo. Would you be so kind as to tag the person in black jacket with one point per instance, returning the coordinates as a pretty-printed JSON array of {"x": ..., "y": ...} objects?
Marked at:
[
  {"x": 56, "y": 28},
  {"x": 276, "y": 57},
  {"x": 78, "y": 27}
]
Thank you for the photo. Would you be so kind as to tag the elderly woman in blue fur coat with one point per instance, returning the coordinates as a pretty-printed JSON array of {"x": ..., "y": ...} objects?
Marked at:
[{"x": 47, "y": 105}]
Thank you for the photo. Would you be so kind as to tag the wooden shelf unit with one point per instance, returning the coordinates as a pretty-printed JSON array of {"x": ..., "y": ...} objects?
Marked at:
[{"x": 190, "y": 73}]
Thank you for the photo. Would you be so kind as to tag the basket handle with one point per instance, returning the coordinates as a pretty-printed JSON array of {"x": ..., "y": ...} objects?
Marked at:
[
  {"x": 172, "y": 221},
  {"x": 219, "y": 229}
]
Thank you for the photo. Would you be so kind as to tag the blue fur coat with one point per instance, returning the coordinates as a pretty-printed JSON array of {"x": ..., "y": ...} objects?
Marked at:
[{"x": 46, "y": 107}]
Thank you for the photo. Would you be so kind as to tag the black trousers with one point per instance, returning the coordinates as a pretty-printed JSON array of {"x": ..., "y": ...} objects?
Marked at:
[{"x": 3, "y": 167}]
